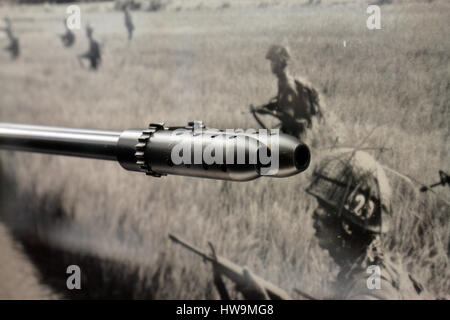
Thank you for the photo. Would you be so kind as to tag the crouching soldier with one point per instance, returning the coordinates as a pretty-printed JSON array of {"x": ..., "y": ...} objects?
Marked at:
[
  {"x": 296, "y": 101},
  {"x": 353, "y": 212}
]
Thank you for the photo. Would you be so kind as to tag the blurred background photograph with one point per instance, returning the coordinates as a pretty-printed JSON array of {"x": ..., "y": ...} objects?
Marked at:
[{"x": 359, "y": 90}]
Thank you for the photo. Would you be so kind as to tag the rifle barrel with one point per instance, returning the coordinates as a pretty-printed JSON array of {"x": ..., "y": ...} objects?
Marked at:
[
  {"x": 159, "y": 150},
  {"x": 304, "y": 294},
  {"x": 235, "y": 272},
  {"x": 97, "y": 144},
  {"x": 189, "y": 247}
]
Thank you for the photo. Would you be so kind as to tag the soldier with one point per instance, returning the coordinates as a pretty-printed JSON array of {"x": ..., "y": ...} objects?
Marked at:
[
  {"x": 128, "y": 22},
  {"x": 93, "y": 54},
  {"x": 13, "y": 46},
  {"x": 296, "y": 102},
  {"x": 68, "y": 38},
  {"x": 354, "y": 210}
]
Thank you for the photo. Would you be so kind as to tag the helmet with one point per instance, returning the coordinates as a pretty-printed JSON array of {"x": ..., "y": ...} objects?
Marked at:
[
  {"x": 278, "y": 53},
  {"x": 355, "y": 185}
]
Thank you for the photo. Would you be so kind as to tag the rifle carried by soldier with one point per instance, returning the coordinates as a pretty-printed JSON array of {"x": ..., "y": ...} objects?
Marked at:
[
  {"x": 444, "y": 180},
  {"x": 292, "y": 121},
  {"x": 245, "y": 281},
  {"x": 288, "y": 123},
  {"x": 273, "y": 108}
]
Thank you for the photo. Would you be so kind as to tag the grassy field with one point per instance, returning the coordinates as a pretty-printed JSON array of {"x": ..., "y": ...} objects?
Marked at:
[{"x": 190, "y": 61}]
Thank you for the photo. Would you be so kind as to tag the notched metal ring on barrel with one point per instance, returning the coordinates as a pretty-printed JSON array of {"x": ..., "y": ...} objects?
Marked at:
[{"x": 141, "y": 147}]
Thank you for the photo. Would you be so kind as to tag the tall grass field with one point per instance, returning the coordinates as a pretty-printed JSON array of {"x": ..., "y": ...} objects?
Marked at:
[{"x": 386, "y": 90}]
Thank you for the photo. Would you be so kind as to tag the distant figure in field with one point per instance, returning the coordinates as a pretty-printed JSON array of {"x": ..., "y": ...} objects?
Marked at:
[
  {"x": 296, "y": 102},
  {"x": 68, "y": 38},
  {"x": 381, "y": 2},
  {"x": 13, "y": 47},
  {"x": 93, "y": 54},
  {"x": 128, "y": 22}
]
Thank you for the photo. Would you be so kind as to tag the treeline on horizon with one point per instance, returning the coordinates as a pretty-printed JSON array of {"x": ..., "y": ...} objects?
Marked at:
[{"x": 54, "y": 1}]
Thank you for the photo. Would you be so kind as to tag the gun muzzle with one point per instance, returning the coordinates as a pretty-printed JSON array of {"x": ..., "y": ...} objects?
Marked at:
[{"x": 192, "y": 150}]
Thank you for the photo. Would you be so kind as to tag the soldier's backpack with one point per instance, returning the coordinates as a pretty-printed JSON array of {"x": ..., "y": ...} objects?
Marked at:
[{"x": 313, "y": 98}]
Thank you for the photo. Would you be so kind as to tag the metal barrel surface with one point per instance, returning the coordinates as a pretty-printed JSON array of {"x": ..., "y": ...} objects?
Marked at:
[
  {"x": 97, "y": 144},
  {"x": 193, "y": 150}
]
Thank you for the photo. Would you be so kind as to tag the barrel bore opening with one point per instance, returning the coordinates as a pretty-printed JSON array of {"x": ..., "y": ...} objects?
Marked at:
[{"x": 302, "y": 157}]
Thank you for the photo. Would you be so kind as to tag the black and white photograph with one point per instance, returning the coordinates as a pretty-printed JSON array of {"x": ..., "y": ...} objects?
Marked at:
[{"x": 200, "y": 150}]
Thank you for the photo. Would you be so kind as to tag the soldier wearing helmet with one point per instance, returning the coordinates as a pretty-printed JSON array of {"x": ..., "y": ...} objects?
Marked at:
[
  {"x": 93, "y": 54},
  {"x": 296, "y": 102},
  {"x": 68, "y": 38},
  {"x": 354, "y": 210},
  {"x": 128, "y": 22},
  {"x": 13, "y": 46}
]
